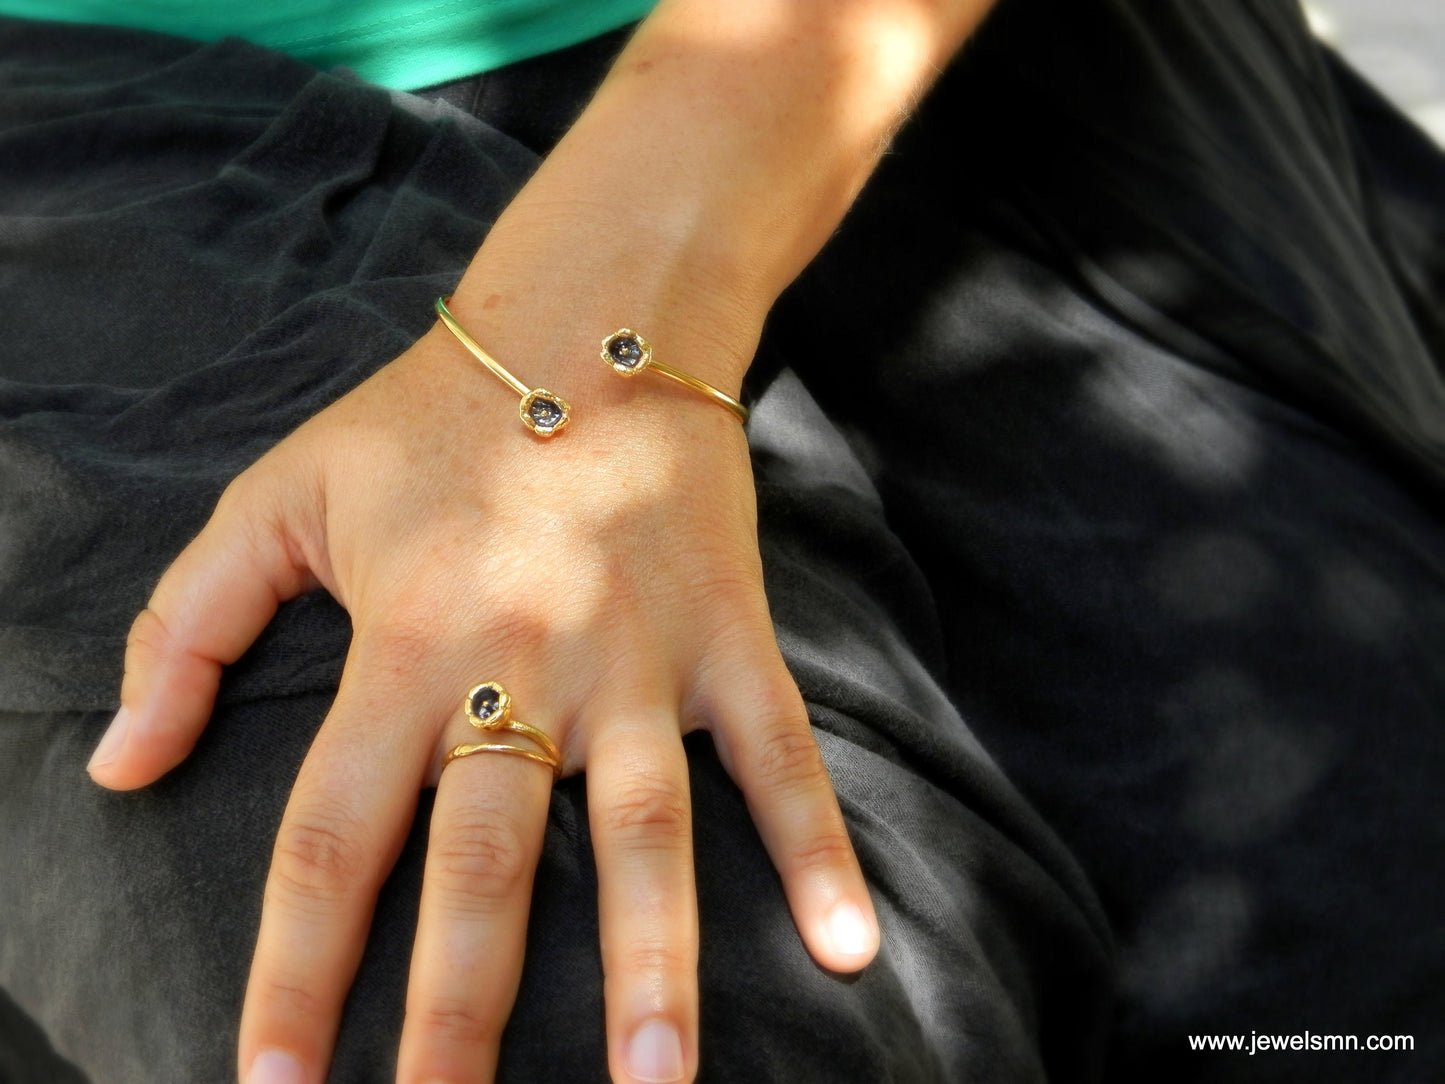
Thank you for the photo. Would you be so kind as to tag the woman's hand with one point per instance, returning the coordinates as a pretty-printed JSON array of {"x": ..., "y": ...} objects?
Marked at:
[{"x": 610, "y": 578}]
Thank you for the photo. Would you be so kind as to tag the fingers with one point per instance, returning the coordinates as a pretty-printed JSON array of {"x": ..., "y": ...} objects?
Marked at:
[
  {"x": 344, "y": 825},
  {"x": 640, "y": 812},
  {"x": 486, "y": 836},
  {"x": 207, "y": 609},
  {"x": 767, "y": 745}
]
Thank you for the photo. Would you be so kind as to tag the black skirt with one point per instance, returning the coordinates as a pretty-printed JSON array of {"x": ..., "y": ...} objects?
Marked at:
[{"x": 1099, "y": 458}]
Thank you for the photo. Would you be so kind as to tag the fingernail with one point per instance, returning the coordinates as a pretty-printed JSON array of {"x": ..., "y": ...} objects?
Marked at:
[
  {"x": 655, "y": 1054},
  {"x": 848, "y": 930},
  {"x": 109, "y": 747},
  {"x": 275, "y": 1067}
]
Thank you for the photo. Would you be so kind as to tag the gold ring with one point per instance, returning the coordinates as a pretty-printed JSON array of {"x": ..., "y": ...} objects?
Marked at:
[
  {"x": 489, "y": 708},
  {"x": 629, "y": 354},
  {"x": 542, "y": 411}
]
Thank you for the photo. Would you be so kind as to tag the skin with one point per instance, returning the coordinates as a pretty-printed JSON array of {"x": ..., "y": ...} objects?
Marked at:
[{"x": 722, "y": 150}]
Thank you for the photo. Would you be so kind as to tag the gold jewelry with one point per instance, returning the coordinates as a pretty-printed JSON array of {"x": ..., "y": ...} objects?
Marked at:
[
  {"x": 489, "y": 707},
  {"x": 543, "y": 412},
  {"x": 629, "y": 354}
]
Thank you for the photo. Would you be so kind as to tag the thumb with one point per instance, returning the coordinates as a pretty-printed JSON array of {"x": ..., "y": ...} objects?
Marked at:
[{"x": 207, "y": 609}]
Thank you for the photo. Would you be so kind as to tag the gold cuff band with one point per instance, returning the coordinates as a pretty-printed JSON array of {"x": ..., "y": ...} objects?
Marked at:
[
  {"x": 625, "y": 350},
  {"x": 629, "y": 354},
  {"x": 543, "y": 412}
]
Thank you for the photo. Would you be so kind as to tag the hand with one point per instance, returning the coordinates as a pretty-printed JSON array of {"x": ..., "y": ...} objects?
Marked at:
[{"x": 610, "y": 578}]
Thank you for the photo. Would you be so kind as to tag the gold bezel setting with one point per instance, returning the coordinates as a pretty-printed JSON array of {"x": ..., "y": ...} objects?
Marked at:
[
  {"x": 500, "y": 713},
  {"x": 543, "y": 422},
  {"x": 624, "y": 342},
  {"x": 544, "y": 427},
  {"x": 628, "y": 354}
]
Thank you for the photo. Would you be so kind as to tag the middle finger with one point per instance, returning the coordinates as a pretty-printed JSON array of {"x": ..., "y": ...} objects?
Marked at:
[{"x": 486, "y": 836}]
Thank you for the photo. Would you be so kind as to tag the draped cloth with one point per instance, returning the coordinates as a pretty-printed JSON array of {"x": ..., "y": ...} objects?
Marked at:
[{"x": 1099, "y": 460}]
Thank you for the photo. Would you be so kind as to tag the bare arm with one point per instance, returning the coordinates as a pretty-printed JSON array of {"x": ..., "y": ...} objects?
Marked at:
[{"x": 718, "y": 156}]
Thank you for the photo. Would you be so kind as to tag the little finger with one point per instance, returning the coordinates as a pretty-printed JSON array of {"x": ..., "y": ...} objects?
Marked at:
[{"x": 767, "y": 745}]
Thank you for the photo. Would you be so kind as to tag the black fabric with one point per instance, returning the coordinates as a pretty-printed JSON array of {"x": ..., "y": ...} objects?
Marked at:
[
  {"x": 1182, "y": 520},
  {"x": 1101, "y": 446},
  {"x": 535, "y": 100}
]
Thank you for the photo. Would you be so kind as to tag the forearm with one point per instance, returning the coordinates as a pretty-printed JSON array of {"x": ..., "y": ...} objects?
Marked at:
[
  {"x": 765, "y": 117},
  {"x": 717, "y": 157}
]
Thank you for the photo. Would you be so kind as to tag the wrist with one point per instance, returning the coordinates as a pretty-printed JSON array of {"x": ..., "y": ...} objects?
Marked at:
[{"x": 551, "y": 282}]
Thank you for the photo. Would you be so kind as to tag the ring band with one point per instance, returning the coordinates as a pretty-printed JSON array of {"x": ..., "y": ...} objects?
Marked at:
[
  {"x": 542, "y": 411},
  {"x": 489, "y": 708},
  {"x": 629, "y": 354},
  {"x": 498, "y": 747}
]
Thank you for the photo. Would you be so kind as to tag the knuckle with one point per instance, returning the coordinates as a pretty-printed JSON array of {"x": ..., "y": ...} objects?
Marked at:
[
  {"x": 779, "y": 703},
  {"x": 320, "y": 854},
  {"x": 649, "y": 805},
  {"x": 786, "y": 757},
  {"x": 658, "y": 958},
  {"x": 453, "y": 1022},
  {"x": 237, "y": 496},
  {"x": 406, "y": 644},
  {"x": 261, "y": 485},
  {"x": 247, "y": 505},
  {"x": 522, "y": 627},
  {"x": 827, "y": 851},
  {"x": 148, "y": 635},
  {"x": 482, "y": 860},
  {"x": 288, "y": 999},
  {"x": 728, "y": 591}
]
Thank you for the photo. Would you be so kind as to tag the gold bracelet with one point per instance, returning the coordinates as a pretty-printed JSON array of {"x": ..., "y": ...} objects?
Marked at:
[
  {"x": 542, "y": 411},
  {"x": 629, "y": 354}
]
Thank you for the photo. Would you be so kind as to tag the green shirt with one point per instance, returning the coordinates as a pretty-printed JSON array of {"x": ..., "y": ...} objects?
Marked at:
[{"x": 404, "y": 44}]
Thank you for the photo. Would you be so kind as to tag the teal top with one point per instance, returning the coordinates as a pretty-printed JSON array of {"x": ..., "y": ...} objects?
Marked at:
[{"x": 404, "y": 44}]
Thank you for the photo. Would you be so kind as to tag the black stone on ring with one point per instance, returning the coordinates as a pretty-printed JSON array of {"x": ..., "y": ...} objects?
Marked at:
[{"x": 486, "y": 702}]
